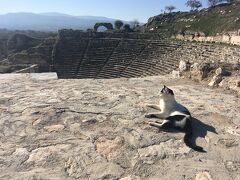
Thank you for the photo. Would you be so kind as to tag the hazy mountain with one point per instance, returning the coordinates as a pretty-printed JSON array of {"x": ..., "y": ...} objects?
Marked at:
[
  {"x": 48, "y": 21},
  {"x": 55, "y": 14}
]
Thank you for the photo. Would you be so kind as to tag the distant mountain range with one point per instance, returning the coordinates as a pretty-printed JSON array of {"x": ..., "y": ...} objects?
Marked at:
[{"x": 48, "y": 21}]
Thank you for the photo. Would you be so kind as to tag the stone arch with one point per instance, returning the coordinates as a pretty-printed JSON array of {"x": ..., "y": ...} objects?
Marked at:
[{"x": 109, "y": 26}]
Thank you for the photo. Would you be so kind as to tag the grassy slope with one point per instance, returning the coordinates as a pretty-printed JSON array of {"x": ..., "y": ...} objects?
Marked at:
[{"x": 222, "y": 18}]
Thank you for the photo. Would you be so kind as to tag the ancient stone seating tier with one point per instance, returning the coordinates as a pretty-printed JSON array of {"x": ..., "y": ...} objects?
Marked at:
[{"x": 111, "y": 55}]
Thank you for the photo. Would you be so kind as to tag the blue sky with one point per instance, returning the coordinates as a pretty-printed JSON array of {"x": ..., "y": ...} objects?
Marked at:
[{"x": 119, "y": 9}]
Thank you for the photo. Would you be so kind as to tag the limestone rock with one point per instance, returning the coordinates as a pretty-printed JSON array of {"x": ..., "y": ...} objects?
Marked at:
[
  {"x": 109, "y": 148},
  {"x": 131, "y": 178},
  {"x": 222, "y": 72},
  {"x": 200, "y": 71},
  {"x": 194, "y": 66},
  {"x": 176, "y": 74},
  {"x": 44, "y": 155},
  {"x": 182, "y": 66},
  {"x": 232, "y": 82},
  {"x": 215, "y": 81},
  {"x": 238, "y": 83},
  {"x": 105, "y": 171},
  {"x": 75, "y": 127},
  {"x": 89, "y": 121},
  {"x": 78, "y": 165},
  {"x": 20, "y": 156},
  {"x": 54, "y": 128},
  {"x": 219, "y": 71},
  {"x": 203, "y": 176},
  {"x": 167, "y": 149},
  {"x": 236, "y": 66}
]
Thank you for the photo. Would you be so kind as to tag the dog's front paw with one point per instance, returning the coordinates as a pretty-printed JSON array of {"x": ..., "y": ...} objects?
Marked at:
[
  {"x": 148, "y": 116},
  {"x": 146, "y": 122}
]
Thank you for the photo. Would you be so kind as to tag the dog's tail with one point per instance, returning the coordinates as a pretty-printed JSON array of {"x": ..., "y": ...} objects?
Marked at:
[{"x": 188, "y": 137}]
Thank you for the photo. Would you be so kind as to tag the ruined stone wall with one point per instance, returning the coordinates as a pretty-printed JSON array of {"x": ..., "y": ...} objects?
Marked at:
[
  {"x": 110, "y": 55},
  {"x": 233, "y": 38},
  {"x": 20, "y": 42},
  {"x": 207, "y": 52}
]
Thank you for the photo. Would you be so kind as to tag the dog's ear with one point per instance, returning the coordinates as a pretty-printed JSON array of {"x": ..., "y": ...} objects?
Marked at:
[
  {"x": 170, "y": 92},
  {"x": 162, "y": 90}
]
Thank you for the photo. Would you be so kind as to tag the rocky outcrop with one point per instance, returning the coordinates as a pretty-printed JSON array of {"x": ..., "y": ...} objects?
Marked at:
[
  {"x": 224, "y": 75},
  {"x": 40, "y": 55},
  {"x": 3, "y": 49},
  {"x": 94, "y": 129},
  {"x": 218, "y": 77},
  {"x": 231, "y": 82},
  {"x": 20, "y": 42}
]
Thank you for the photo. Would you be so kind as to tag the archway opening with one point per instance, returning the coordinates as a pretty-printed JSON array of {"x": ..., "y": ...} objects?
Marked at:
[{"x": 99, "y": 27}]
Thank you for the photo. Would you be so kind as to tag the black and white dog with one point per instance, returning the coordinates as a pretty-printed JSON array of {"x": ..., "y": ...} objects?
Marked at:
[{"x": 174, "y": 115}]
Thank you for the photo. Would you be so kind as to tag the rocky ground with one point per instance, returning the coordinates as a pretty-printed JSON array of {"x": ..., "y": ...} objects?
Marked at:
[{"x": 93, "y": 129}]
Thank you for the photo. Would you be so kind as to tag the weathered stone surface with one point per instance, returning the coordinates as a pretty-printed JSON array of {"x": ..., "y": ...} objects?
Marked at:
[
  {"x": 131, "y": 178},
  {"x": 238, "y": 83},
  {"x": 94, "y": 129},
  {"x": 182, "y": 66},
  {"x": 54, "y": 128},
  {"x": 176, "y": 74},
  {"x": 199, "y": 71},
  {"x": 109, "y": 148},
  {"x": 220, "y": 71},
  {"x": 203, "y": 176},
  {"x": 232, "y": 82},
  {"x": 215, "y": 80}
]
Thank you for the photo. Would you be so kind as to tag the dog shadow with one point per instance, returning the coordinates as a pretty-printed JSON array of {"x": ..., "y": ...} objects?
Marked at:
[{"x": 201, "y": 129}]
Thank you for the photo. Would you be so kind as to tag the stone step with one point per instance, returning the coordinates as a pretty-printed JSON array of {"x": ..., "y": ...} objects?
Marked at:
[
  {"x": 112, "y": 75},
  {"x": 114, "y": 72}
]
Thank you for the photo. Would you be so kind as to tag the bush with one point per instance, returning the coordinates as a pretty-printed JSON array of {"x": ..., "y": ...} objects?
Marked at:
[
  {"x": 118, "y": 24},
  {"x": 127, "y": 28}
]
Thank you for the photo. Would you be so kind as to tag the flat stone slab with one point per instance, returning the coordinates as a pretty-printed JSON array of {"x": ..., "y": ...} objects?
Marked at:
[
  {"x": 93, "y": 129},
  {"x": 33, "y": 76}
]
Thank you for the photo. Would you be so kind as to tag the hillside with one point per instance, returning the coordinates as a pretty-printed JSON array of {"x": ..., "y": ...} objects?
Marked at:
[
  {"x": 48, "y": 21},
  {"x": 218, "y": 19}
]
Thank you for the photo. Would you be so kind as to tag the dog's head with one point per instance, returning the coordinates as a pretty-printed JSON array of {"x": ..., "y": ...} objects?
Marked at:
[{"x": 166, "y": 92}]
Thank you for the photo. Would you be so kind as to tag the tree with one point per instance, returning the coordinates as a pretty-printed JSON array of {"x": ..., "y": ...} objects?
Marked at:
[
  {"x": 127, "y": 28},
  {"x": 170, "y": 8},
  {"x": 194, "y": 4},
  {"x": 118, "y": 24}
]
